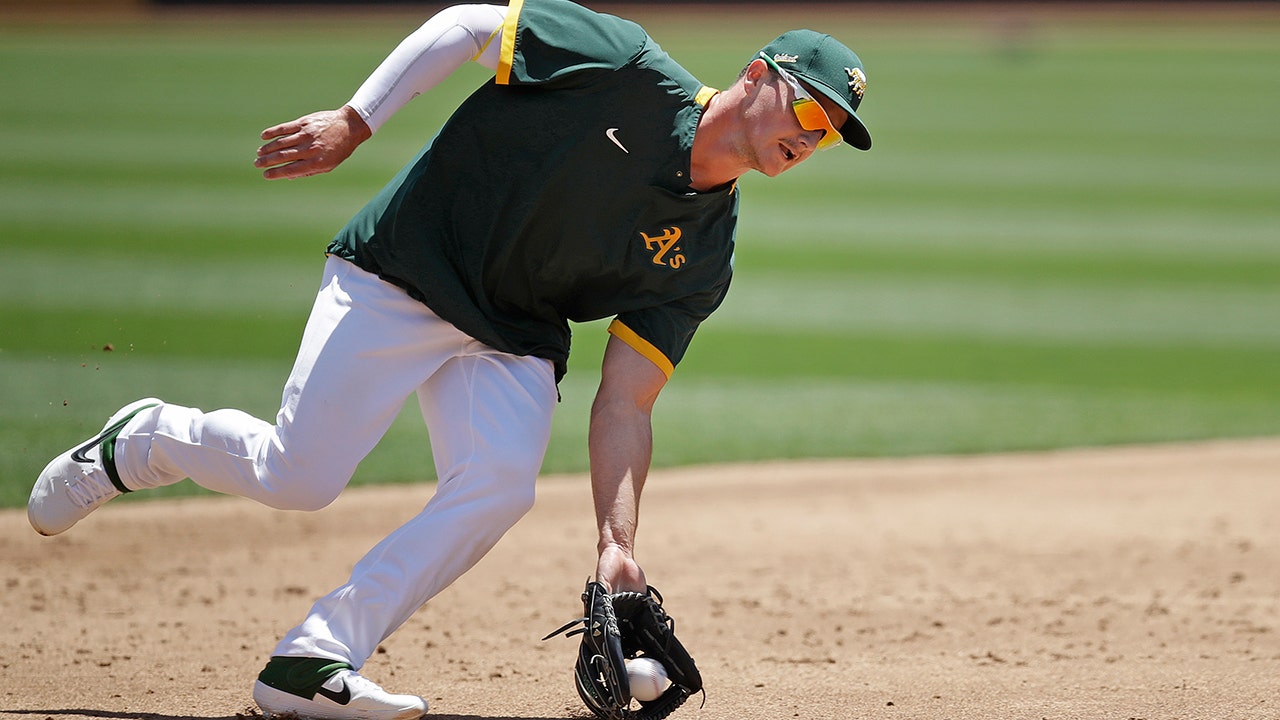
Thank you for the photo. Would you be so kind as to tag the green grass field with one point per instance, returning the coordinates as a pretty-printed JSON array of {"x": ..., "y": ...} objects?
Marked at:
[{"x": 1068, "y": 233}]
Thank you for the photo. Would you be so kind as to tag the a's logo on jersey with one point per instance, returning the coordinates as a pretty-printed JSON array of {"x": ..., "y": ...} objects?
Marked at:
[{"x": 663, "y": 246}]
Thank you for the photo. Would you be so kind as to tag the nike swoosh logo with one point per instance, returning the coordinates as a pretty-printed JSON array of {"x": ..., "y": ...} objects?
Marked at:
[
  {"x": 610, "y": 134},
  {"x": 342, "y": 698},
  {"x": 79, "y": 453}
]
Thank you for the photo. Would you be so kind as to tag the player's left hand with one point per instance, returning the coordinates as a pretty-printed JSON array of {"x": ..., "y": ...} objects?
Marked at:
[
  {"x": 616, "y": 627},
  {"x": 312, "y": 144}
]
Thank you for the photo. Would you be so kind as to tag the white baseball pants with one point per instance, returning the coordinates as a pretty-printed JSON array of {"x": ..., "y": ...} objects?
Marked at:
[{"x": 367, "y": 346}]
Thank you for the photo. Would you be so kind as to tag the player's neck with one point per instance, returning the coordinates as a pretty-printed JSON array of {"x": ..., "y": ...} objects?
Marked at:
[{"x": 714, "y": 160}]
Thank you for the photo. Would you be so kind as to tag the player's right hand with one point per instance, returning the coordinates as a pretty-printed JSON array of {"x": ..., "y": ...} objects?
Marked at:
[
  {"x": 312, "y": 144},
  {"x": 618, "y": 571}
]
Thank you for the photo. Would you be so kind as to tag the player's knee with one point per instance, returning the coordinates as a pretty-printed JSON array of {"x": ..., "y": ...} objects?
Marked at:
[
  {"x": 304, "y": 502},
  {"x": 292, "y": 487},
  {"x": 506, "y": 507},
  {"x": 519, "y": 501},
  {"x": 296, "y": 498}
]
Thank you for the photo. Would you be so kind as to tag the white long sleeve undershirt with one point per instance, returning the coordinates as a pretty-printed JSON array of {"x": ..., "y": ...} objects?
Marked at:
[{"x": 429, "y": 55}]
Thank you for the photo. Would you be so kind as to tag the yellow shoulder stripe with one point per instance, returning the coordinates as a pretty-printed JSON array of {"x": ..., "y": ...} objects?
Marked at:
[
  {"x": 508, "y": 54},
  {"x": 704, "y": 95},
  {"x": 642, "y": 346}
]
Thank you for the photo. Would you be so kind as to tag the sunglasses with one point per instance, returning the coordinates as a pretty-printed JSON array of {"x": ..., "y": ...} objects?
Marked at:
[{"x": 808, "y": 111}]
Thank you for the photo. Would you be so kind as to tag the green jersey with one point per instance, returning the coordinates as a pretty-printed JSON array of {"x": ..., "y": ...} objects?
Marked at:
[{"x": 559, "y": 191}]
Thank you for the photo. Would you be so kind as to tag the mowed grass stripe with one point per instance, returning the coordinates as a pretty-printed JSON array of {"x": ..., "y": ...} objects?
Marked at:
[
  {"x": 1005, "y": 307},
  {"x": 1017, "y": 266},
  {"x": 68, "y": 210},
  {"x": 154, "y": 332},
  {"x": 1175, "y": 370},
  {"x": 130, "y": 282},
  {"x": 901, "y": 222},
  {"x": 1219, "y": 185}
]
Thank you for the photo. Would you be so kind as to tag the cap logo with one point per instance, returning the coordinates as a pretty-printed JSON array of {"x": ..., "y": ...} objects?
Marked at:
[
  {"x": 783, "y": 57},
  {"x": 857, "y": 81}
]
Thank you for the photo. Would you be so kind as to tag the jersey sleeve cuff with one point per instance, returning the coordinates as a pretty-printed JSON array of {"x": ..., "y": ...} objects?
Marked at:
[{"x": 642, "y": 346}]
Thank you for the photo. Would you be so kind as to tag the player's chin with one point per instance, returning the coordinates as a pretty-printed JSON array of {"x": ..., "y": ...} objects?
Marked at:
[{"x": 775, "y": 170}]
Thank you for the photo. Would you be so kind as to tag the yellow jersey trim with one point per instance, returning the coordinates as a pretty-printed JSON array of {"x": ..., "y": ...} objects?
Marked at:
[
  {"x": 704, "y": 95},
  {"x": 642, "y": 346},
  {"x": 508, "y": 54}
]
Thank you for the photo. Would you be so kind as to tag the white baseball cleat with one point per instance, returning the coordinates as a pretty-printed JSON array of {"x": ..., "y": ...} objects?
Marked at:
[
  {"x": 82, "y": 479},
  {"x": 345, "y": 695}
]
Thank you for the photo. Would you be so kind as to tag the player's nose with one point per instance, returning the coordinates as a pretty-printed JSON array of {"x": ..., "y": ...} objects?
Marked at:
[{"x": 806, "y": 143}]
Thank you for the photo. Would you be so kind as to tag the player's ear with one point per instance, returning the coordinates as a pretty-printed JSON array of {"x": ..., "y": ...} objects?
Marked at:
[{"x": 754, "y": 75}]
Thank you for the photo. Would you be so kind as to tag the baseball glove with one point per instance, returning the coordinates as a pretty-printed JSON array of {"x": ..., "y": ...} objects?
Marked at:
[{"x": 615, "y": 628}]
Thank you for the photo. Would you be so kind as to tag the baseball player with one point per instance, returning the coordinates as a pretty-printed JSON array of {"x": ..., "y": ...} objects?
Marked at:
[{"x": 592, "y": 177}]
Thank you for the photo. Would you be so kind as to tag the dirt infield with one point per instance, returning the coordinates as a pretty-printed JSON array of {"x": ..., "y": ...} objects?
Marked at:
[{"x": 1116, "y": 583}]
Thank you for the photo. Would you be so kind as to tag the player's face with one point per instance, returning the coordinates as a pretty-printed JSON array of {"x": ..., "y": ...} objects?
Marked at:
[
  {"x": 808, "y": 111},
  {"x": 778, "y": 141}
]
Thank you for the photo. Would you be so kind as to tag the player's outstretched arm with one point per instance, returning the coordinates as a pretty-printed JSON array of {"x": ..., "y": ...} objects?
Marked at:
[
  {"x": 319, "y": 142},
  {"x": 621, "y": 446}
]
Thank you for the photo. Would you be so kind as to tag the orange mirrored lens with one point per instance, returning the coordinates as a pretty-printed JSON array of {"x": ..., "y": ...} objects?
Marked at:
[{"x": 813, "y": 117}]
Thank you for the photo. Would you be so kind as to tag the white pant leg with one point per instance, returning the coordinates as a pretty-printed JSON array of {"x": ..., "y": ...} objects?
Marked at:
[
  {"x": 366, "y": 347},
  {"x": 489, "y": 416}
]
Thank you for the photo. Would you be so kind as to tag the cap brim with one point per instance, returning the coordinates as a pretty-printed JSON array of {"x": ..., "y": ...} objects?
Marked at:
[{"x": 853, "y": 131}]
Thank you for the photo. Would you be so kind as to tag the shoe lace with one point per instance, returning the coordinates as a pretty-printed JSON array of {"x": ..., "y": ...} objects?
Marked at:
[{"x": 90, "y": 488}]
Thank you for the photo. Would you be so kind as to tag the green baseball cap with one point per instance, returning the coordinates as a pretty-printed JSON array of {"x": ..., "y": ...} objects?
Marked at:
[{"x": 830, "y": 68}]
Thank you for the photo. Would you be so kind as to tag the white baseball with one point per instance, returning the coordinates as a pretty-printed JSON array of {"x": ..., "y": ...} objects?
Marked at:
[{"x": 648, "y": 678}]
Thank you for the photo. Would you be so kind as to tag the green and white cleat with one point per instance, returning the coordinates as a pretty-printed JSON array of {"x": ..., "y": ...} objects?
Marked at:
[
  {"x": 323, "y": 689},
  {"x": 82, "y": 479}
]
